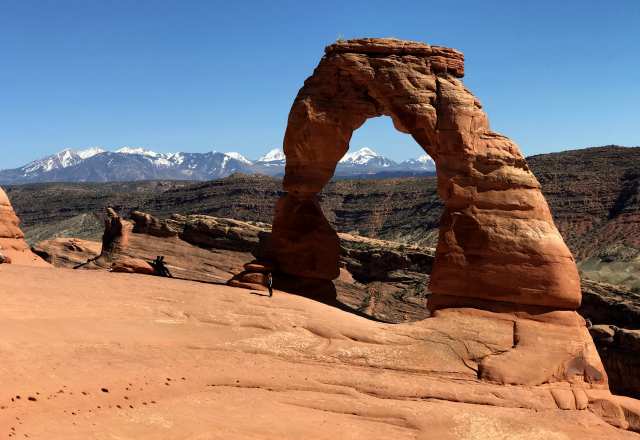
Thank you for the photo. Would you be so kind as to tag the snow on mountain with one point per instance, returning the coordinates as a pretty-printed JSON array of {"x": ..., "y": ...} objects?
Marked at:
[
  {"x": 239, "y": 157},
  {"x": 90, "y": 152},
  {"x": 63, "y": 159},
  {"x": 423, "y": 162},
  {"x": 276, "y": 155},
  {"x": 98, "y": 165},
  {"x": 176, "y": 158},
  {"x": 365, "y": 157},
  {"x": 143, "y": 151}
]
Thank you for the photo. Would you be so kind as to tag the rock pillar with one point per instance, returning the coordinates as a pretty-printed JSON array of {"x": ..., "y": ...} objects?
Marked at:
[{"x": 12, "y": 242}]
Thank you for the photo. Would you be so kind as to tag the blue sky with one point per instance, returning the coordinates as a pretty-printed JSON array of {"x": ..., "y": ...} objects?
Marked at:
[{"x": 197, "y": 76}]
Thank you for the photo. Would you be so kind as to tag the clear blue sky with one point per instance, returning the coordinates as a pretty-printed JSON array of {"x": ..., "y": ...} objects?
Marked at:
[{"x": 197, "y": 76}]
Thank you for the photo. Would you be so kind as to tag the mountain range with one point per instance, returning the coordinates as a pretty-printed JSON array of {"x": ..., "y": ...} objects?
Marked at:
[{"x": 127, "y": 164}]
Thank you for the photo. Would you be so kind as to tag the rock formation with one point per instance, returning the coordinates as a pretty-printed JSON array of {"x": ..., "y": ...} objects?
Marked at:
[
  {"x": 619, "y": 350},
  {"x": 182, "y": 359},
  {"x": 254, "y": 277},
  {"x": 497, "y": 238},
  {"x": 11, "y": 237},
  {"x": 147, "y": 224},
  {"x": 67, "y": 252},
  {"x": 116, "y": 233},
  {"x": 499, "y": 258},
  {"x": 133, "y": 265}
]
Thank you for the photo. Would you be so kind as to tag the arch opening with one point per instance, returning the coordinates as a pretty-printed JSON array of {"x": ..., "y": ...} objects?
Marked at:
[
  {"x": 380, "y": 209},
  {"x": 378, "y": 136}
]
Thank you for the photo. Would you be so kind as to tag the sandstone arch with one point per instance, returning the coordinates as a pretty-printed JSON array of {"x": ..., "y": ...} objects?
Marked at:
[{"x": 497, "y": 238}]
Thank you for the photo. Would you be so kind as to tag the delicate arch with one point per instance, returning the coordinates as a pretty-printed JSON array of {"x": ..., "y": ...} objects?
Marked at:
[{"x": 497, "y": 238}]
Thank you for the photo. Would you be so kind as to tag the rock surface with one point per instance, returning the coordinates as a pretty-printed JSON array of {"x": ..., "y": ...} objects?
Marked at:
[
  {"x": 12, "y": 244},
  {"x": 133, "y": 265},
  {"x": 147, "y": 224},
  {"x": 67, "y": 252},
  {"x": 497, "y": 238},
  {"x": 116, "y": 233},
  {"x": 148, "y": 357},
  {"x": 619, "y": 350}
]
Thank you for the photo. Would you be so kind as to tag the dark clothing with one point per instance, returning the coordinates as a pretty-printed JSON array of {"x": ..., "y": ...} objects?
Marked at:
[
  {"x": 269, "y": 284},
  {"x": 1, "y": 259},
  {"x": 160, "y": 267}
]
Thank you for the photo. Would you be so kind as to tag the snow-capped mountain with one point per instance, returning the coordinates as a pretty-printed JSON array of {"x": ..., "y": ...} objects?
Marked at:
[
  {"x": 98, "y": 165},
  {"x": 423, "y": 162},
  {"x": 365, "y": 157},
  {"x": 273, "y": 157},
  {"x": 63, "y": 159},
  {"x": 89, "y": 152},
  {"x": 143, "y": 151},
  {"x": 239, "y": 157}
]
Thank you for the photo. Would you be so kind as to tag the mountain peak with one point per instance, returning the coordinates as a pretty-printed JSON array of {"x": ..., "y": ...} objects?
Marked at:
[
  {"x": 365, "y": 156},
  {"x": 143, "y": 151},
  {"x": 273, "y": 155},
  {"x": 239, "y": 157},
  {"x": 90, "y": 152},
  {"x": 139, "y": 163}
]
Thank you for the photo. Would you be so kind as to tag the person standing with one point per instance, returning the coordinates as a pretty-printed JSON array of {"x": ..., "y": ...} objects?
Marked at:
[{"x": 269, "y": 284}]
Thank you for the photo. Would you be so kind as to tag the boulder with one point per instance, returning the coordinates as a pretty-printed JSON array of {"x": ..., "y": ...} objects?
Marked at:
[
  {"x": 133, "y": 265},
  {"x": 244, "y": 280},
  {"x": 256, "y": 278},
  {"x": 263, "y": 266}
]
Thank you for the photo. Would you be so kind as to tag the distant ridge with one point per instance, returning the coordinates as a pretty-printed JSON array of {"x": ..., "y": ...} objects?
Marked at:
[{"x": 130, "y": 164}]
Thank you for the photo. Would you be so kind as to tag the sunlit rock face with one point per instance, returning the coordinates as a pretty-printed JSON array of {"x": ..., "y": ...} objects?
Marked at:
[
  {"x": 12, "y": 244},
  {"x": 497, "y": 238}
]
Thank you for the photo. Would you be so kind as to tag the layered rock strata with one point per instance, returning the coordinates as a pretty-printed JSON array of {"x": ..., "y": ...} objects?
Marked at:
[
  {"x": 207, "y": 231},
  {"x": 12, "y": 244},
  {"x": 497, "y": 238}
]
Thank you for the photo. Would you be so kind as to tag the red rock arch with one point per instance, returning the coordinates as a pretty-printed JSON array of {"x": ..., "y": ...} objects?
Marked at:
[{"x": 497, "y": 238}]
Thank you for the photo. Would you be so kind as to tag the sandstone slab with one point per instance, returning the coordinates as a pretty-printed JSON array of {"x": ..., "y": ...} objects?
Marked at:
[
  {"x": 67, "y": 252},
  {"x": 139, "y": 357}
]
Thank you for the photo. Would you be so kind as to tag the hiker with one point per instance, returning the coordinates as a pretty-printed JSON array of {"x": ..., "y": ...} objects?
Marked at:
[
  {"x": 160, "y": 267},
  {"x": 269, "y": 284},
  {"x": 1, "y": 257}
]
